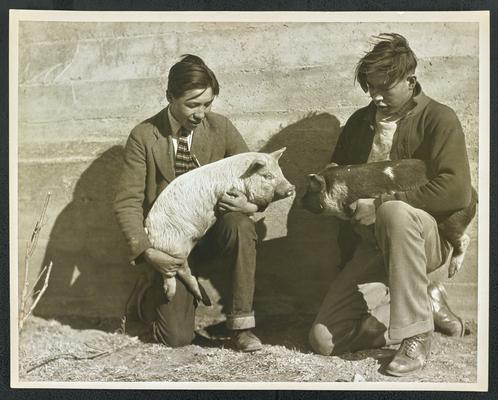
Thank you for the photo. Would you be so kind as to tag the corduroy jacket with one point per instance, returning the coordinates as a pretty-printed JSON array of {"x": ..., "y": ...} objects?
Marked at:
[
  {"x": 430, "y": 131},
  {"x": 149, "y": 167}
]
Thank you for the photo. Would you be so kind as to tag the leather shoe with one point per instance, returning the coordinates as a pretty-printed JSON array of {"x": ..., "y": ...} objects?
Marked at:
[
  {"x": 445, "y": 320},
  {"x": 246, "y": 341},
  {"x": 411, "y": 355}
]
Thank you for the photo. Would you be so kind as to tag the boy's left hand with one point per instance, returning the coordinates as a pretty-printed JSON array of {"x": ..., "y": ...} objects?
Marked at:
[
  {"x": 365, "y": 211},
  {"x": 234, "y": 200}
]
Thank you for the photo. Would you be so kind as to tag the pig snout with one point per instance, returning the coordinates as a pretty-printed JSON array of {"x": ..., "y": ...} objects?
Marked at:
[{"x": 284, "y": 190}]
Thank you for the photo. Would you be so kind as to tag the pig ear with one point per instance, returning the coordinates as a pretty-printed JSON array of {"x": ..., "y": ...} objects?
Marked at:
[
  {"x": 316, "y": 182},
  {"x": 255, "y": 166},
  {"x": 277, "y": 154}
]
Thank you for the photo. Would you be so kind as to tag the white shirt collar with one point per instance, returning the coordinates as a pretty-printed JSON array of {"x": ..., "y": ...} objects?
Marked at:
[{"x": 174, "y": 124}]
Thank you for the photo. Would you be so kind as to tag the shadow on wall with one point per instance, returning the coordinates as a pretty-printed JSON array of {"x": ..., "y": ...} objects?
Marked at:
[
  {"x": 295, "y": 271},
  {"x": 90, "y": 279}
]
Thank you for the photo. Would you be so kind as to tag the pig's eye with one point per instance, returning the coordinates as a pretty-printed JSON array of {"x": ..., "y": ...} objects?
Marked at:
[{"x": 268, "y": 176}]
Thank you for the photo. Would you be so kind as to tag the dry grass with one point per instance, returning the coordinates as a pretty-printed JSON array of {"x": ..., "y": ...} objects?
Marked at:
[{"x": 51, "y": 351}]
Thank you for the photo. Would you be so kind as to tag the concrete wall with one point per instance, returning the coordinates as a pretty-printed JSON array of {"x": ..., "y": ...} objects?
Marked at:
[{"x": 83, "y": 86}]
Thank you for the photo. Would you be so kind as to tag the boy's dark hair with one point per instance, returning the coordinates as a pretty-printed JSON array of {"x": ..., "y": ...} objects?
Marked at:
[
  {"x": 391, "y": 55},
  {"x": 191, "y": 73}
]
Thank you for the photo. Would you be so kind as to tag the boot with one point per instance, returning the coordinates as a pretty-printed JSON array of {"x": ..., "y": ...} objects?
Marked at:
[{"x": 445, "y": 320}]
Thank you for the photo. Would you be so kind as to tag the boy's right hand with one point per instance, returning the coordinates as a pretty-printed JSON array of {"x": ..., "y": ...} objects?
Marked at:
[
  {"x": 163, "y": 262},
  {"x": 364, "y": 211}
]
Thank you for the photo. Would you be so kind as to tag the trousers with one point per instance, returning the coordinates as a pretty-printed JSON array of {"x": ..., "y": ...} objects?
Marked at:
[
  {"x": 234, "y": 238},
  {"x": 380, "y": 297}
]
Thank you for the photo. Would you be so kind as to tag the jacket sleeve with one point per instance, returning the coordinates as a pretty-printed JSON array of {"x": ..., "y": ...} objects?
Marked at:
[
  {"x": 353, "y": 144},
  {"x": 339, "y": 155},
  {"x": 450, "y": 189},
  {"x": 128, "y": 204},
  {"x": 235, "y": 144}
]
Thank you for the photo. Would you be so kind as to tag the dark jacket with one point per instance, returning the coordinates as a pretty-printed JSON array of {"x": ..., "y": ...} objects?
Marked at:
[
  {"x": 430, "y": 131},
  {"x": 149, "y": 167}
]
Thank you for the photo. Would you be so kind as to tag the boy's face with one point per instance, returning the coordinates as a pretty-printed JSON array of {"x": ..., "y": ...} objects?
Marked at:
[
  {"x": 389, "y": 99},
  {"x": 191, "y": 107}
]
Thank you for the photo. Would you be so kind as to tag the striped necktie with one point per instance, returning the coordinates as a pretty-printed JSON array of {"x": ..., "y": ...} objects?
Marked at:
[{"x": 183, "y": 159}]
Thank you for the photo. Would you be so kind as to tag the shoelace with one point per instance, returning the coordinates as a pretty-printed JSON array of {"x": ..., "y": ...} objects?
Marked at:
[{"x": 410, "y": 345}]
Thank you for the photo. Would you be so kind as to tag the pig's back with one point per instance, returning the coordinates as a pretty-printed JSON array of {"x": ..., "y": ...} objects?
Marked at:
[{"x": 372, "y": 179}]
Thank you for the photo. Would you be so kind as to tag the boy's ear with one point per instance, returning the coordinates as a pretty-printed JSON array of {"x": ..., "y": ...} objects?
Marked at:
[
  {"x": 168, "y": 96},
  {"x": 412, "y": 81}
]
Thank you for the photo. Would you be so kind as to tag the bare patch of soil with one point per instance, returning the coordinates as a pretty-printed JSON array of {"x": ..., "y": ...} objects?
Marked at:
[{"x": 51, "y": 351}]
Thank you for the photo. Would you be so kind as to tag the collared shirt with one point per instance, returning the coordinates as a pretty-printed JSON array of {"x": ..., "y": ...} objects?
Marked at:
[{"x": 175, "y": 128}]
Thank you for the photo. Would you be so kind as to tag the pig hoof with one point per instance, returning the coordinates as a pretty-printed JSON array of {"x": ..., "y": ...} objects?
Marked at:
[
  {"x": 455, "y": 265},
  {"x": 457, "y": 259},
  {"x": 200, "y": 293},
  {"x": 204, "y": 296}
]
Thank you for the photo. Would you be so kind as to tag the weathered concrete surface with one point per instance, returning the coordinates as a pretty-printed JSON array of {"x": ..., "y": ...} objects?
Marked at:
[{"x": 83, "y": 86}]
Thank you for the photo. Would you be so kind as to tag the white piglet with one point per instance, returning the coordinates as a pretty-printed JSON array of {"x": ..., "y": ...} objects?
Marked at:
[{"x": 186, "y": 209}]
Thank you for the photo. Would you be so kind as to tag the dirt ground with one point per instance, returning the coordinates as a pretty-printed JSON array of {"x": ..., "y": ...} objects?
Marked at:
[{"x": 51, "y": 351}]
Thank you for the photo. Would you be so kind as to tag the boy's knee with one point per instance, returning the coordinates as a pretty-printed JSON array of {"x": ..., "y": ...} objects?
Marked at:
[
  {"x": 172, "y": 337},
  {"x": 179, "y": 340},
  {"x": 236, "y": 225},
  {"x": 394, "y": 213},
  {"x": 320, "y": 340},
  {"x": 237, "y": 221}
]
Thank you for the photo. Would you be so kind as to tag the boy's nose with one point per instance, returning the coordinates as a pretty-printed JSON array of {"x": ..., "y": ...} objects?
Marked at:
[
  {"x": 199, "y": 114},
  {"x": 377, "y": 97}
]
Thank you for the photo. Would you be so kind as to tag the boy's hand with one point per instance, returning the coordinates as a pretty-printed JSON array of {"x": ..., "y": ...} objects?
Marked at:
[
  {"x": 234, "y": 200},
  {"x": 365, "y": 211},
  {"x": 163, "y": 262}
]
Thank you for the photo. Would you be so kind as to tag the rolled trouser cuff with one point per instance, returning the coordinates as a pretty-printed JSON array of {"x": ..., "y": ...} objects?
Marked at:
[{"x": 238, "y": 322}]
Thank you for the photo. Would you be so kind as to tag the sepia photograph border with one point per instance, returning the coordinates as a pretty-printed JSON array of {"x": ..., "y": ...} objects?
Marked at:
[{"x": 480, "y": 17}]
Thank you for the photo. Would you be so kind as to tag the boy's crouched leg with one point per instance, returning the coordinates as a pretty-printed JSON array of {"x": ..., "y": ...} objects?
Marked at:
[
  {"x": 172, "y": 321},
  {"x": 354, "y": 314},
  {"x": 347, "y": 336},
  {"x": 234, "y": 236}
]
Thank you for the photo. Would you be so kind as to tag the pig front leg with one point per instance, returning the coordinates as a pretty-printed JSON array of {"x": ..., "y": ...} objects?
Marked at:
[
  {"x": 458, "y": 255},
  {"x": 190, "y": 282}
]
